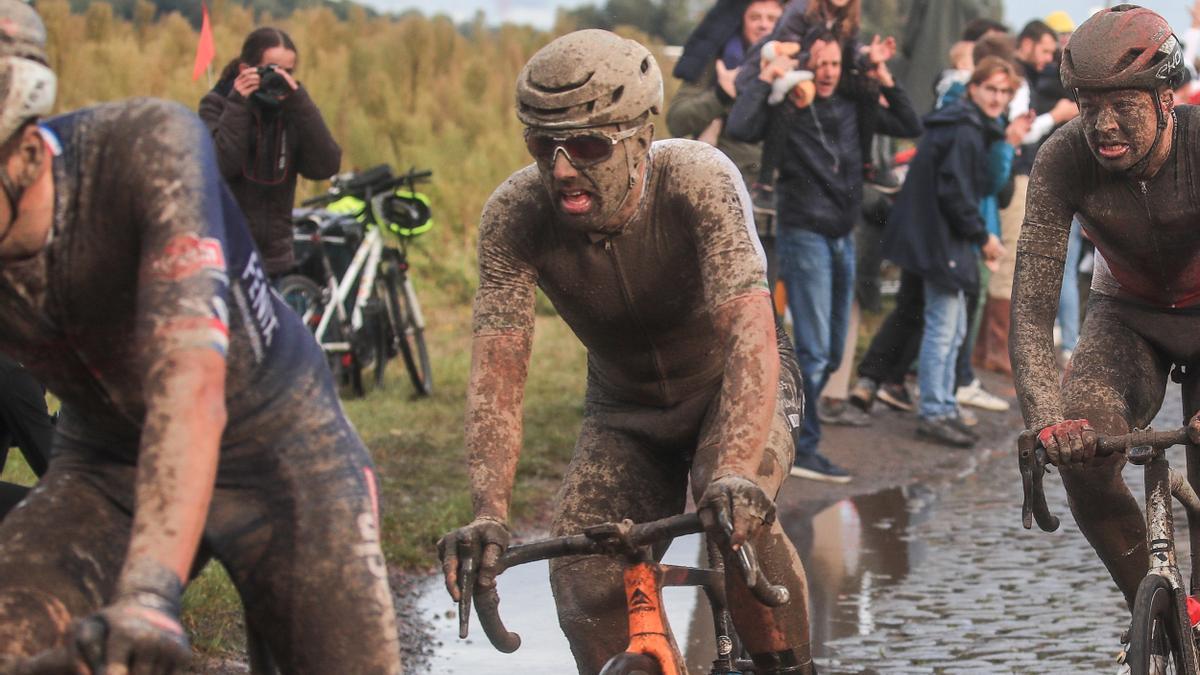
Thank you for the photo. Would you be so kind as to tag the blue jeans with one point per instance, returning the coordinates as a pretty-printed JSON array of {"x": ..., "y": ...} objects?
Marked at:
[
  {"x": 1068, "y": 297},
  {"x": 945, "y": 326},
  {"x": 818, "y": 272}
]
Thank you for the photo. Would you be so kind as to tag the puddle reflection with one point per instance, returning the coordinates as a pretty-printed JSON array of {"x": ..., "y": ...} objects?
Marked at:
[{"x": 853, "y": 550}]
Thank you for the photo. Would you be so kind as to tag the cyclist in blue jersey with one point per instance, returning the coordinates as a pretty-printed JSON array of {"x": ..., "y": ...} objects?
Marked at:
[{"x": 197, "y": 410}]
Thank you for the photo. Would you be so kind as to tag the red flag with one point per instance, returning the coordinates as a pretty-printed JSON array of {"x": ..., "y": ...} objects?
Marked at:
[{"x": 204, "y": 49}]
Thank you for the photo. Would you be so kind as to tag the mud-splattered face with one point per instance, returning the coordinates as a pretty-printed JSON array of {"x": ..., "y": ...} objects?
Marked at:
[
  {"x": 1119, "y": 124},
  {"x": 592, "y": 195}
]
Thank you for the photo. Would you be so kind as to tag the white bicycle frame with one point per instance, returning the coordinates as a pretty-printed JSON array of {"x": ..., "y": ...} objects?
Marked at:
[{"x": 364, "y": 264}]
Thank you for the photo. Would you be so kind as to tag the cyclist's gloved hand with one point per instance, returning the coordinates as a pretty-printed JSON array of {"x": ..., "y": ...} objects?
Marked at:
[
  {"x": 737, "y": 500},
  {"x": 139, "y": 633},
  {"x": 1069, "y": 443},
  {"x": 472, "y": 551}
]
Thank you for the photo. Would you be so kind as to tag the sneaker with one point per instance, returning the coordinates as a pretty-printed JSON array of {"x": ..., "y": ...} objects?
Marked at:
[
  {"x": 975, "y": 395},
  {"x": 838, "y": 412},
  {"x": 964, "y": 423},
  {"x": 862, "y": 395},
  {"x": 895, "y": 396},
  {"x": 817, "y": 467},
  {"x": 942, "y": 430}
]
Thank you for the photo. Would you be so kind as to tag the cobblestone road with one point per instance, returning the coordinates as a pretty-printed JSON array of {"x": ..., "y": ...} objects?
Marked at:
[{"x": 945, "y": 580}]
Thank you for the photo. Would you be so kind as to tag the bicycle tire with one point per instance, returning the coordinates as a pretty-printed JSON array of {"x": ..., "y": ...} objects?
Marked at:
[
  {"x": 627, "y": 663},
  {"x": 409, "y": 336},
  {"x": 303, "y": 295},
  {"x": 1155, "y": 633}
]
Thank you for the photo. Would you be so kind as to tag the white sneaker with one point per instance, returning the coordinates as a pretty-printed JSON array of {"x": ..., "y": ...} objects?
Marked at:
[{"x": 975, "y": 395}]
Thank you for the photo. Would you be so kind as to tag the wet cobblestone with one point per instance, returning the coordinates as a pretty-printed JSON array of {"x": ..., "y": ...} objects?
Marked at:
[{"x": 982, "y": 594}]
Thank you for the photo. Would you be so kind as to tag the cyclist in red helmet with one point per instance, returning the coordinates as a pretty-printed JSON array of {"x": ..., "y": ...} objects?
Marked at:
[{"x": 1129, "y": 165}]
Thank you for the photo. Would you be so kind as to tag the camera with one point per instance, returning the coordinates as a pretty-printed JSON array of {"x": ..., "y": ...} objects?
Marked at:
[{"x": 273, "y": 87}]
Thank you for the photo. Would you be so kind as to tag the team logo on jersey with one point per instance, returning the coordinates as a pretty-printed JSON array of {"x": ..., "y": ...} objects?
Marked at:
[{"x": 186, "y": 255}]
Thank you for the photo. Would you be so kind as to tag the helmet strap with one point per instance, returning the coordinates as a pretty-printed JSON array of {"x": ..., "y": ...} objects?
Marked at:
[{"x": 1142, "y": 164}]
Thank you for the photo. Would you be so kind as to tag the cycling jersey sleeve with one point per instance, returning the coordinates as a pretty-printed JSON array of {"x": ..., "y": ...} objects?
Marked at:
[
  {"x": 713, "y": 197},
  {"x": 507, "y": 278},
  {"x": 1041, "y": 250},
  {"x": 183, "y": 285},
  {"x": 1052, "y": 197}
]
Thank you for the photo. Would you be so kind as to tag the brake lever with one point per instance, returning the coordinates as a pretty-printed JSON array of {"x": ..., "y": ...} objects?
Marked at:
[
  {"x": 466, "y": 590},
  {"x": 1031, "y": 459}
]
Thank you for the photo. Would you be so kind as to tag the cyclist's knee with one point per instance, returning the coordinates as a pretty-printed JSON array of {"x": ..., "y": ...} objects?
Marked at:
[
  {"x": 589, "y": 593},
  {"x": 30, "y": 621}
]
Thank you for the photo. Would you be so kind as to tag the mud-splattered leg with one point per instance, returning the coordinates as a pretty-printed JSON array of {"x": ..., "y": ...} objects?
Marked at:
[
  {"x": 300, "y": 538},
  {"x": 60, "y": 554},
  {"x": 613, "y": 475},
  {"x": 1116, "y": 381},
  {"x": 775, "y": 636}
]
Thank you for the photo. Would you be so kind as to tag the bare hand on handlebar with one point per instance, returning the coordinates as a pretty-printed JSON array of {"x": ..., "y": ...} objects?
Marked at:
[
  {"x": 739, "y": 501},
  {"x": 470, "y": 557},
  {"x": 1070, "y": 443}
]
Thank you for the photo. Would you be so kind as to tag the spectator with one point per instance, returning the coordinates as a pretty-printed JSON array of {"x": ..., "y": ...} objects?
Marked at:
[
  {"x": 896, "y": 345},
  {"x": 1036, "y": 45},
  {"x": 699, "y": 108},
  {"x": 818, "y": 194},
  {"x": 267, "y": 130},
  {"x": 936, "y": 230}
]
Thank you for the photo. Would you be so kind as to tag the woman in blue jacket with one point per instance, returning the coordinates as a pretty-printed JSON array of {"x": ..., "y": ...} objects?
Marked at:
[{"x": 936, "y": 232}]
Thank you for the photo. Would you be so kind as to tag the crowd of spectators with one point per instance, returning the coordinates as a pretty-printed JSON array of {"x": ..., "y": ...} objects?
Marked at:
[{"x": 830, "y": 207}]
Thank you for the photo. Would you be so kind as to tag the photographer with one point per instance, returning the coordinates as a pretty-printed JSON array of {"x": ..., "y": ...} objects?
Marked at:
[{"x": 267, "y": 130}]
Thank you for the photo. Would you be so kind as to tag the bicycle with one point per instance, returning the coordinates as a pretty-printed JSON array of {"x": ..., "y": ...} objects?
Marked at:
[
  {"x": 1160, "y": 634},
  {"x": 651, "y": 649},
  {"x": 384, "y": 317}
]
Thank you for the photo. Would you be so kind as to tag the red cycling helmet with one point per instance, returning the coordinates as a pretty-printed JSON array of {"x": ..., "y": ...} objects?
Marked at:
[{"x": 1124, "y": 47}]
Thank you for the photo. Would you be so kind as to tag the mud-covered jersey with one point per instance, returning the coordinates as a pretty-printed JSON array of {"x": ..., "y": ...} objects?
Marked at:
[
  {"x": 148, "y": 254},
  {"x": 1147, "y": 231},
  {"x": 642, "y": 301}
]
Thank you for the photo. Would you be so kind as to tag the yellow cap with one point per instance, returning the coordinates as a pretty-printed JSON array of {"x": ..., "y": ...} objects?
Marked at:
[{"x": 1060, "y": 22}]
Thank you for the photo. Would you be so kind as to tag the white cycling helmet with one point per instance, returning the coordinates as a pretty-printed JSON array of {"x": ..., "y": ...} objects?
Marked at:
[{"x": 27, "y": 85}]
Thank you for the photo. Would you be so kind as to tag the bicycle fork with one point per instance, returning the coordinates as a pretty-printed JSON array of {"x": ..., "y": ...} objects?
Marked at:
[{"x": 1161, "y": 484}]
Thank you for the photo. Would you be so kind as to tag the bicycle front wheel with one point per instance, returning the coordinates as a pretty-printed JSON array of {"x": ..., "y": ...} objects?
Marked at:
[
  {"x": 303, "y": 295},
  {"x": 404, "y": 314},
  {"x": 1156, "y": 638}
]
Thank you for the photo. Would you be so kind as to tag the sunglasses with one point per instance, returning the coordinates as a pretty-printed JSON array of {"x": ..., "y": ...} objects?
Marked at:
[{"x": 582, "y": 150}]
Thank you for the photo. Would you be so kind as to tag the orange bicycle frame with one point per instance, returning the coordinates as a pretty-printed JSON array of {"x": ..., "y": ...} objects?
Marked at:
[{"x": 649, "y": 633}]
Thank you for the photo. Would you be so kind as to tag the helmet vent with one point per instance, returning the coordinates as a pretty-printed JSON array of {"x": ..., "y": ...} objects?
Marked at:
[
  {"x": 551, "y": 89},
  {"x": 645, "y": 65},
  {"x": 617, "y": 94},
  {"x": 1127, "y": 59}
]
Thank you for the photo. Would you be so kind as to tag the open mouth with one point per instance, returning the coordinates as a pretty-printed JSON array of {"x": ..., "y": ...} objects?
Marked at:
[
  {"x": 575, "y": 202},
  {"x": 1113, "y": 150}
]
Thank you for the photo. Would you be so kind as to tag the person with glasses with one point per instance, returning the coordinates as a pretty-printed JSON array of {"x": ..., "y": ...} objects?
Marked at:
[
  {"x": 199, "y": 418},
  {"x": 936, "y": 232},
  {"x": 649, "y": 253}
]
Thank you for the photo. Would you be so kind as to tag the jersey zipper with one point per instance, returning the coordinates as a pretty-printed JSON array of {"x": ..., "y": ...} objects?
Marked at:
[
  {"x": 1145, "y": 189},
  {"x": 663, "y": 386}
]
